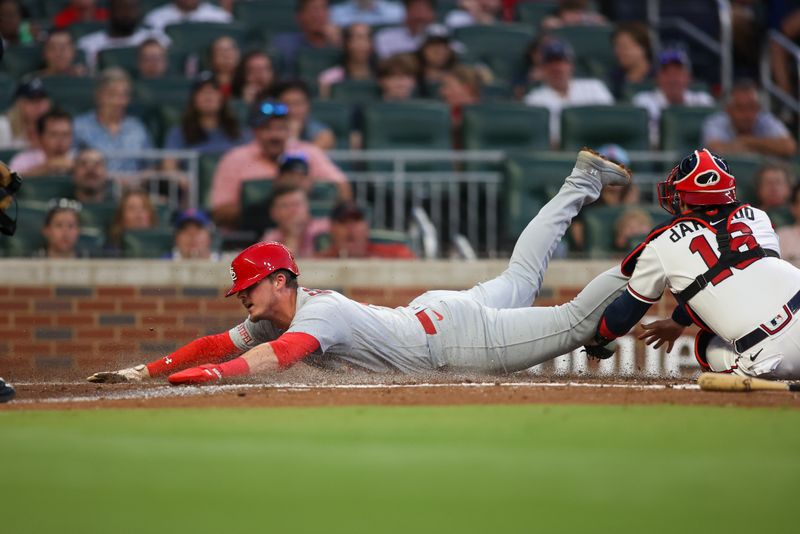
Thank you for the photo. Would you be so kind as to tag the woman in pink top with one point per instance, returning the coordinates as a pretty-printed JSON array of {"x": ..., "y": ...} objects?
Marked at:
[
  {"x": 295, "y": 228},
  {"x": 358, "y": 61}
]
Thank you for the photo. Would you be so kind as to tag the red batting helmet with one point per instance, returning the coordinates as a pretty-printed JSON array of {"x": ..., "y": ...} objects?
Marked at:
[
  {"x": 701, "y": 179},
  {"x": 258, "y": 261}
]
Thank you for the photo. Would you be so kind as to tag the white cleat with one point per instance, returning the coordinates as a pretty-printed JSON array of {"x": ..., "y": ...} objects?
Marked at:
[
  {"x": 605, "y": 170},
  {"x": 132, "y": 374}
]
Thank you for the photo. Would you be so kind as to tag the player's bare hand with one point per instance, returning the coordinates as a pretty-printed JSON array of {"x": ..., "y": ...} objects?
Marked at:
[
  {"x": 660, "y": 332},
  {"x": 131, "y": 374}
]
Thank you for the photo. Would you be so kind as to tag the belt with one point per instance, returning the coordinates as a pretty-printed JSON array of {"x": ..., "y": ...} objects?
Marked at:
[
  {"x": 762, "y": 332},
  {"x": 426, "y": 322}
]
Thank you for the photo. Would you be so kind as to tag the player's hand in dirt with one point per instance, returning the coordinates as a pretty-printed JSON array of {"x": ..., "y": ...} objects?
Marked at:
[
  {"x": 196, "y": 375},
  {"x": 660, "y": 332},
  {"x": 131, "y": 374}
]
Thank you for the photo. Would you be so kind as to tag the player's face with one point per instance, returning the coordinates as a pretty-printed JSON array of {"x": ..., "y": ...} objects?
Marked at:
[{"x": 259, "y": 299}]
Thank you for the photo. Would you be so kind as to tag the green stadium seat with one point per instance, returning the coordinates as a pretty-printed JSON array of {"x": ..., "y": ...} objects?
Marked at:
[
  {"x": 599, "y": 223},
  {"x": 500, "y": 46},
  {"x": 592, "y": 45},
  {"x": 264, "y": 18},
  {"x": 407, "y": 125},
  {"x": 74, "y": 95},
  {"x": 356, "y": 91},
  {"x": 158, "y": 120},
  {"x": 7, "y": 153},
  {"x": 780, "y": 216},
  {"x": 533, "y": 13},
  {"x": 205, "y": 177},
  {"x": 50, "y": 8},
  {"x": 124, "y": 57},
  {"x": 21, "y": 60},
  {"x": 253, "y": 199},
  {"x": 7, "y": 89},
  {"x": 681, "y": 127},
  {"x": 197, "y": 36},
  {"x": 148, "y": 243},
  {"x": 44, "y": 188},
  {"x": 337, "y": 115},
  {"x": 744, "y": 168},
  {"x": 172, "y": 91},
  {"x": 312, "y": 61},
  {"x": 98, "y": 214},
  {"x": 28, "y": 238},
  {"x": 91, "y": 241},
  {"x": 79, "y": 29},
  {"x": 322, "y": 199},
  {"x": 594, "y": 126},
  {"x": 497, "y": 91},
  {"x": 505, "y": 126}
]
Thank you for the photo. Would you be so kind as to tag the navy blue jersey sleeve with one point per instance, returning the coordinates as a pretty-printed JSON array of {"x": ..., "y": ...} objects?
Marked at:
[{"x": 622, "y": 315}]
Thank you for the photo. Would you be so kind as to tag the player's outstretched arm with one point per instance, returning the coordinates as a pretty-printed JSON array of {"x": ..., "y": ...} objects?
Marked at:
[{"x": 212, "y": 348}]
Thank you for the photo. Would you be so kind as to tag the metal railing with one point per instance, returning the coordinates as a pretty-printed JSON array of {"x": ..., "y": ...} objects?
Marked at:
[{"x": 776, "y": 38}]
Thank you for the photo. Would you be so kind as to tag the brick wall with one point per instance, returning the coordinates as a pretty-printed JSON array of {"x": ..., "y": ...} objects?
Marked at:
[{"x": 53, "y": 330}]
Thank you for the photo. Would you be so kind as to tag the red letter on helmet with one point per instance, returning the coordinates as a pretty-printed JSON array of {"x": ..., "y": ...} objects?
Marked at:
[{"x": 258, "y": 261}]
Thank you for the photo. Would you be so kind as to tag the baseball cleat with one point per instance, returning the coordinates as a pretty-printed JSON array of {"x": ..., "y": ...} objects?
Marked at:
[
  {"x": 132, "y": 374},
  {"x": 608, "y": 172},
  {"x": 6, "y": 391}
]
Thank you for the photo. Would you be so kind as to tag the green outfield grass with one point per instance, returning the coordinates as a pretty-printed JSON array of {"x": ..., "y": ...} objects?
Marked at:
[{"x": 487, "y": 469}]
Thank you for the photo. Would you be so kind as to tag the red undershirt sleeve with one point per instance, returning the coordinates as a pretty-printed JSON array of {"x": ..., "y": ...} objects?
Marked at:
[
  {"x": 208, "y": 349},
  {"x": 292, "y": 347}
]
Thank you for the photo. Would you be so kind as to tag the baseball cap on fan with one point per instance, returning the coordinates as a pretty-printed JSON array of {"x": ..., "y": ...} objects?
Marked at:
[
  {"x": 556, "y": 50},
  {"x": 195, "y": 216},
  {"x": 674, "y": 56},
  {"x": 32, "y": 89}
]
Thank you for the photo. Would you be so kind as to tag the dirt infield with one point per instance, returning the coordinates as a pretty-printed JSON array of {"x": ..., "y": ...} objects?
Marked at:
[{"x": 313, "y": 391}]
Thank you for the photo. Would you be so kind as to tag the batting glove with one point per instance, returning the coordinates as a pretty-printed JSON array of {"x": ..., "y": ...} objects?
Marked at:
[
  {"x": 197, "y": 375},
  {"x": 132, "y": 374}
]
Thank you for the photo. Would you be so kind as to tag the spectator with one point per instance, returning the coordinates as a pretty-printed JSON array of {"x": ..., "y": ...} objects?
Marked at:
[
  {"x": 630, "y": 229},
  {"x": 744, "y": 127},
  {"x": 461, "y": 86},
  {"x": 54, "y": 157},
  {"x": 62, "y": 227},
  {"x": 397, "y": 77},
  {"x": 531, "y": 75},
  {"x": 14, "y": 26},
  {"x": 135, "y": 211},
  {"x": 473, "y": 12},
  {"x": 350, "y": 237},
  {"x": 773, "y": 183},
  {"x": 253, "y": 75},
  {"x": 80, "y": 11},
  {"x": 295, "y": 227},
  {"x": 260, "y": 158},
  {"x": 108, "y": 128},
  {"x": 152, "y": 61},
  {"x": 560, "y": 89},
  {"x": 123, "y": 31},
  {"x": 59, "y": 55},
  {"x": 193, "y": 237},
  {"x": 672, "y": 89},
  {"x": 90, "y": 177},
  {"x": 179, "y": 11},
  {"x": 316, "y": 31},
  {"x": 573, "y": 13},
  {"x": 789, "y": 236},
  {"x": 436, "y": 57},
  {"x": 634, "y": 53},
  {"x": 18, "y": 125},
  {"x": 294, "y": 170},
  {"x": 208, "y": 124},
  {"x": 223, "y": 58},
  {"x": 371, "y": 12},
  {"x": 406, "y": 38},
  {"x": 358, "y": 60},
  {"x": 297, "y": 97}
]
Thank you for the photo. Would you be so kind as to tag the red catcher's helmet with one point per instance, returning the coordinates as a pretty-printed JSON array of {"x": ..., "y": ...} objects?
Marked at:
[
  {"x": 258, "y": 261},
  {"x": 701, "y": 179}
]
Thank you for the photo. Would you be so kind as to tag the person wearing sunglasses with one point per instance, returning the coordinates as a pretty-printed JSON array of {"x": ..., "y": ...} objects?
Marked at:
[{"x": 261, "y": 158}]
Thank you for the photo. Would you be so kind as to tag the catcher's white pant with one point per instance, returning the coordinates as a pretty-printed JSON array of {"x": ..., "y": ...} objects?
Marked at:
[
  {"x": 493, "y": 328},
  {"x": 777, "y": 357}
]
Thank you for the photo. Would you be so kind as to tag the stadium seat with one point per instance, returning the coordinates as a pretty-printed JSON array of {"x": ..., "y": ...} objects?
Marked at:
[
  {"x": 594, "y": 126},
  {"x": 98, "y": 214},
  {"x": 205, "y": 177},
  {"x": 592, "y": 45},
  {"x": 312, "y": 61},
  {"x": 407, "y": 125},
  {"x": 148, "y": 243},
  {"x": 253, "y": 200},
  {"x": 158, "y": 121},
  {"x": 79, "y": 29},
  {"x": 44, "y": 188},
  {"x": 124, "y": 57},
  {"x": 50, "y": 8},
  {"x": 500, "y": 46},
  {"x": 599, "y": 224},
  {"x": 681, "y": 127},
  {"x": 744, "y": 168},
  {"x": 21, "y": 60},
  {"x": 533, "y": 13},
  {"x": 28, "y": 238},
  {"x": 356, "y": 91},
  {"x": 780, "y": 216},
  {"x": 505, "y": 126},
  {"x": 337, "y": 115},
  {"x": 74, "y": 95},
  {"x": 172, "y": 91},
  {"x": 7, "y": 153},
  {"x": 7, "y": 89},
  {"x": 197, "y": 36},
  {"x": 263, "y": 19},
  {"x": 91, "y": 241},
  {"x": 322, "y": 199}
]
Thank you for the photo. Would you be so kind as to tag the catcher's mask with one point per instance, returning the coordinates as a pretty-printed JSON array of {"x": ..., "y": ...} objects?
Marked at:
[{"x": 701, "y": 179}]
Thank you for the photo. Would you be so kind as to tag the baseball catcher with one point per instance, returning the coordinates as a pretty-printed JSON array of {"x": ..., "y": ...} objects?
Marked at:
[
  {"x": 490, "y": 328},
  {"x": 720, "y": 258}
]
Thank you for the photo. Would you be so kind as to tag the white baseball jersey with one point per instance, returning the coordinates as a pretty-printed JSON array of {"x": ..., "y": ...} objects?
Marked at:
[
  {"x": 371, "y": 337},
  {"x": 736, "y": 301}
]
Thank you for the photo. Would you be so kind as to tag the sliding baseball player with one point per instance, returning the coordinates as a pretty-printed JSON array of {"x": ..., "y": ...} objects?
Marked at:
[{"x": 490, "y": 328}]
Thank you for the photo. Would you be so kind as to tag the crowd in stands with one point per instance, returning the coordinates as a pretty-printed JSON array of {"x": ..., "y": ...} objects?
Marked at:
[{"x": 242, "y": 81}]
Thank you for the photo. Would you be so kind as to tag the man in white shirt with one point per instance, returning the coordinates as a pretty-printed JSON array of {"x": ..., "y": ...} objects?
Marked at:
[
  {"x": 406, "y": 38},
  {"x": 672, "y": 89},
  {"x": 561, "y": 90},
  {"x": 123, "y": 31},
  {"x": 185, "y": 11}
]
